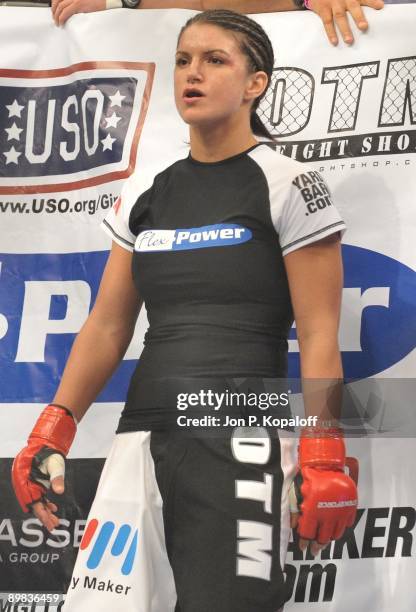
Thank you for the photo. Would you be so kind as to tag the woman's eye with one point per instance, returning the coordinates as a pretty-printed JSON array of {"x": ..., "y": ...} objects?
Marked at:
[
  {"x": 215, "y": 60},
  {"x": 180, "y": 61}
]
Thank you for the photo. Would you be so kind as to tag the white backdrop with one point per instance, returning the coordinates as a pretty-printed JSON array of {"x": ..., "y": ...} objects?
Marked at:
[{"x": 83, "y": 106}]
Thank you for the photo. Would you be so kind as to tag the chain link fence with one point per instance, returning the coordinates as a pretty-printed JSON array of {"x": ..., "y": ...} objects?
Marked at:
[
  {"x": 400, "y": 74},
  {"x": 286, "y": 107},
  {"x": 349, "y": 80}
]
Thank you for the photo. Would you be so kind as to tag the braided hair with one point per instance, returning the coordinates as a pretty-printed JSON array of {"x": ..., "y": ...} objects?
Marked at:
[{"x": 254, "y": 43}]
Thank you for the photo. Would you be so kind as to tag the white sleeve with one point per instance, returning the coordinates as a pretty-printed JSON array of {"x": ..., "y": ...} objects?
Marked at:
[
  {"x": 308, "y": 213},
  {"x": 116, "y": 223}
]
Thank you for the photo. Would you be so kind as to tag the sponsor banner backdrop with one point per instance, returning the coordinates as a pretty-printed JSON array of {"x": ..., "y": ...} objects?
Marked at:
[{"x": 82, "y": 108}]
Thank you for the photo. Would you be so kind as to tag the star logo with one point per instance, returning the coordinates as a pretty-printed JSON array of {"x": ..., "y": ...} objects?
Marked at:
[
  {"x": 116, "y": 99},
  {"x": 15, "y": 109},
  {"x": 108, "y": 143},
  {"x": 13, "y": 133},
  {"x": 11, "y": 156},
  {"x": 72, "y": 127},
  {"x": 112, "y": 121}
]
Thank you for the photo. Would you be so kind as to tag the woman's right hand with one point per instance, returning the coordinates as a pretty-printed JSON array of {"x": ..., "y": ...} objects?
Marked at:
[
  {"x": 44, "y": 510},
  {"x": 41, "y": 464}
]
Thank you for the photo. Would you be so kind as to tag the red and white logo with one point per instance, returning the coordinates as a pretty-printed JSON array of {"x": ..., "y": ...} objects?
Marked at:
[{"x": 72, "y": 127}]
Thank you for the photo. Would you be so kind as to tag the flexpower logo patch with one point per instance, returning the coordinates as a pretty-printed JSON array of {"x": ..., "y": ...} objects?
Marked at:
[
  {"x": 222, "y": 234},
  {"x": 106, "y": 538},
  {"x": 69, "y": 128}
]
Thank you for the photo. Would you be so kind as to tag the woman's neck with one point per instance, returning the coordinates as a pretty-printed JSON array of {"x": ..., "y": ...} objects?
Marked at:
[{"x": 214, "y": 143}]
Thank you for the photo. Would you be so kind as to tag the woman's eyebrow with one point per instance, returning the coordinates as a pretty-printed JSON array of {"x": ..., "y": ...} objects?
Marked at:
[{"x": 180, "y": 52}]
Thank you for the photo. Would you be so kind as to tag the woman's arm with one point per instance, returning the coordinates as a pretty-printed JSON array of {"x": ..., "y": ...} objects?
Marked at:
[
  {"x": 96, "y": 353},
  {"x": 315, "y": 281},
  {"x": 104, "y": 338},
  {"x": 64, "y": 9},
  {"x": 329, "y": 497},
  {"x": 331, "y": 12}
]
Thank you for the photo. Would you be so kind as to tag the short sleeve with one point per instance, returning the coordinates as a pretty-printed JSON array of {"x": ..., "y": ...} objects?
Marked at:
[
  {"x": 308, "y": 213},
  {"x": 116, "y": 223}
]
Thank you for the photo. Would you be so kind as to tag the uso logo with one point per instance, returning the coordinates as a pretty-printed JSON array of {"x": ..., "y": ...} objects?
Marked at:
[
  {"x": 378, "y": 319},
  {"x": 57, "y": 125},
  {"x": 121, "y": 542}
]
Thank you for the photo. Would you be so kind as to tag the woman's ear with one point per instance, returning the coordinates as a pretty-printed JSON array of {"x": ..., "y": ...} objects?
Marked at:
[{"x": 256, "y": 84}]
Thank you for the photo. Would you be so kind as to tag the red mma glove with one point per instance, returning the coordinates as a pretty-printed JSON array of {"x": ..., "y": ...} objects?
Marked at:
[
  {"x": 43, "y": 459},
  {"x": 327, "y": 496}
]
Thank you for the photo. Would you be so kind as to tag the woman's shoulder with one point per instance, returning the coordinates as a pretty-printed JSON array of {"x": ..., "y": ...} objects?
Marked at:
[
  {"x": 173, "y": 169},
  {"x": 276, "y": 165},
  {"x": 143, "y": 179},
  {"x": 281, "y": 173}
]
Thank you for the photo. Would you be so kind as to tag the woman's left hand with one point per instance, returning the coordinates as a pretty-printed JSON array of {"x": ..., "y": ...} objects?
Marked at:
[
  {"x": 315, "y": 547},
  {"x": 64, "y": 9},
  {"x": 334, "y": 15}
]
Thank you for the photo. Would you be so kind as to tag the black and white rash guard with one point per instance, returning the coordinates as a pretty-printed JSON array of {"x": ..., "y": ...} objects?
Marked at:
[{"x": 208, "y": 243}]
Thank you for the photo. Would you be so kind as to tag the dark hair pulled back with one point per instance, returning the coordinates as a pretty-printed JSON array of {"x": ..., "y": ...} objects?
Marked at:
[{"x": 254, "y": 43}]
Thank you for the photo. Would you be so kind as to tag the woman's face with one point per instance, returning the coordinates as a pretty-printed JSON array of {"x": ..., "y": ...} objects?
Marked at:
[{"x": 212, "y": 81}]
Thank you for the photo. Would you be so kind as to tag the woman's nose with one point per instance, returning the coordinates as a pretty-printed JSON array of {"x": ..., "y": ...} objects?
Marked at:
[{"x": 194, "y": 74}]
